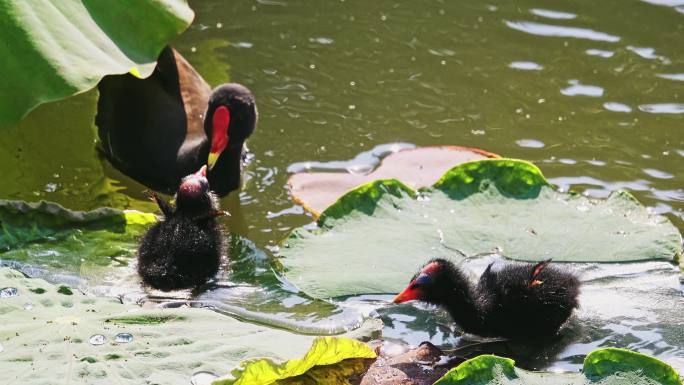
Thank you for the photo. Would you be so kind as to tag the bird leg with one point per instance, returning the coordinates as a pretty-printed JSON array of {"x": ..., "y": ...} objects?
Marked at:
[{"x": 164, "y": 206}]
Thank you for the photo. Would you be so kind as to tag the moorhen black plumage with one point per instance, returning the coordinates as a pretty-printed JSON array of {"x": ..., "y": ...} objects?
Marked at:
[
  {"x": 159, "y": 129},
  {"x": 184, "y": 249},
  {"x": 517, "y": 300}
]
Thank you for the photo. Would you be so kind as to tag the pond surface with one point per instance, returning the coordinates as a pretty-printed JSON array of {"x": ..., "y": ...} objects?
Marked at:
[{"x": 592, "y": 92}]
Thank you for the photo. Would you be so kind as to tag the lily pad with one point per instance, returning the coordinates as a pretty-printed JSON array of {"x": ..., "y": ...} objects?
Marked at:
[
  {"x": 375, "y": 236},
  {"x": 50, "y": 235},
  {"x": 416, "y": 167},
  {"x": 49, "y": 336},
  {"x": 323, "y": 351},
  {"x": 94, "y": 251},
  {"x": 71, "y": 45},
  {"x": 606, "y": 366}
]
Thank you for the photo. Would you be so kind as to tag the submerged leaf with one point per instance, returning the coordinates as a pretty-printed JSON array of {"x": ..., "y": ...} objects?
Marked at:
[
  {"x": 52, "y": 49},
  {"x": 607, "y": 366},
  {"x": 374, "y": 237},
  {"x": 55, "y": 338}
]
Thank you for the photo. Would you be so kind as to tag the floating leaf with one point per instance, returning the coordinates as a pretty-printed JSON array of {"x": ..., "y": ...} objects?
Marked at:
[
  {"x": 416, "y": 167},
  {"x": 609, "y": 362},
  {"x": 94, "y": 251},
  {"x": 335, "y": 374},
  {"x": 48, "y": 336},
  {"x": 324, "y": 351},
  {"x": 50, "y": 235},
  {"x": 480, "y": 370},
  {"x": 52, "y": 49},
  {"x": 607, "y": 366},
  {"x": 375, "y": 236}
]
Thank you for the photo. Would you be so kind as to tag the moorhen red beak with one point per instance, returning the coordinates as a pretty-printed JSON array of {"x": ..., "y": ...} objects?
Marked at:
[
  {"x": 407, "y": 295},
  {"x": 219, "y": 137}
]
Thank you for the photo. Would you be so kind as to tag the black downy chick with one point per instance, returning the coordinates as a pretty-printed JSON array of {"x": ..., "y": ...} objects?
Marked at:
[
  {"x": 184, "y": 250},
  {"x": 518, "y": 300}
]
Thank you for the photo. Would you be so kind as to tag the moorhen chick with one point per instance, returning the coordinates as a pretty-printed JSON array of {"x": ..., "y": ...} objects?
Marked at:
[
  {"x": 517, "y": 300},
  {"x": 159, "y": 129},
  {"x": 184, "y": 250}
]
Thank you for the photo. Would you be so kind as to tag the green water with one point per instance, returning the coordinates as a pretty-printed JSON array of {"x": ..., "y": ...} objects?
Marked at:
[
  {"x": 335, "y": 78},
  {"x": 598, "y": 108}
]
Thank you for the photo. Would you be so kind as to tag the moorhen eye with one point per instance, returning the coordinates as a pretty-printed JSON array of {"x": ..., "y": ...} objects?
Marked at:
[
  {"x": 421, "y": 280},
  {"x": 519, "y": 300}
]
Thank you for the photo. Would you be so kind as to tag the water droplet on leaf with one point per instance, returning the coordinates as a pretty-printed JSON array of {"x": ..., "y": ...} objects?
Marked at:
[
  {"x": 123, "y": 338},
  {"x": 8, "y": 292},
  {"x": 97, "y": 339},
  {"x": 203, "y": 378}
]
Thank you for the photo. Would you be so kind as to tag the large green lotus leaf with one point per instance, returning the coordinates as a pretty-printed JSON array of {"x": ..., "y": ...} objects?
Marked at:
[
  {"x": 52, "y": 49},
  {"x": 52, "y": 236},
  {"x": 375, "y": 236},
  {"x": 95, "y": 251},
  {"x": 53, "y": 334},
  {"x": 608, "y": 366}
]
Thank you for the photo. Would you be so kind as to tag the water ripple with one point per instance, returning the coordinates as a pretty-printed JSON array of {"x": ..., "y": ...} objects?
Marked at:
[
  {"x": 559, "y": 31},
  {"x": 577, "y": 89},
  {"x": 663, "y": 108},
  {"x": 648, "y": 53},
  {"x": 617, "y": 107},
  {"x": 658, "y": 174},
  {"x": 599, "y": 52},
  {"x": 666, "y": 3},
  {"x": 605, "y": 188},
  {"x": 363, "y": 163},
  {"x": 322, "y": 40},
  {"x": 530, "y": 143},
  {"x": 679, "y": 77},
  {"x": 525, "y": 65},
  {"x": 553, "y": 14}
]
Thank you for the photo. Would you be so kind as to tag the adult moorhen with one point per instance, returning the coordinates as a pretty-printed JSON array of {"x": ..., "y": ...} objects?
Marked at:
[
  {"x": 515, "y": 301},
  {"x": 159, "y": 129},
  {"x": 184, "y": 250}
]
